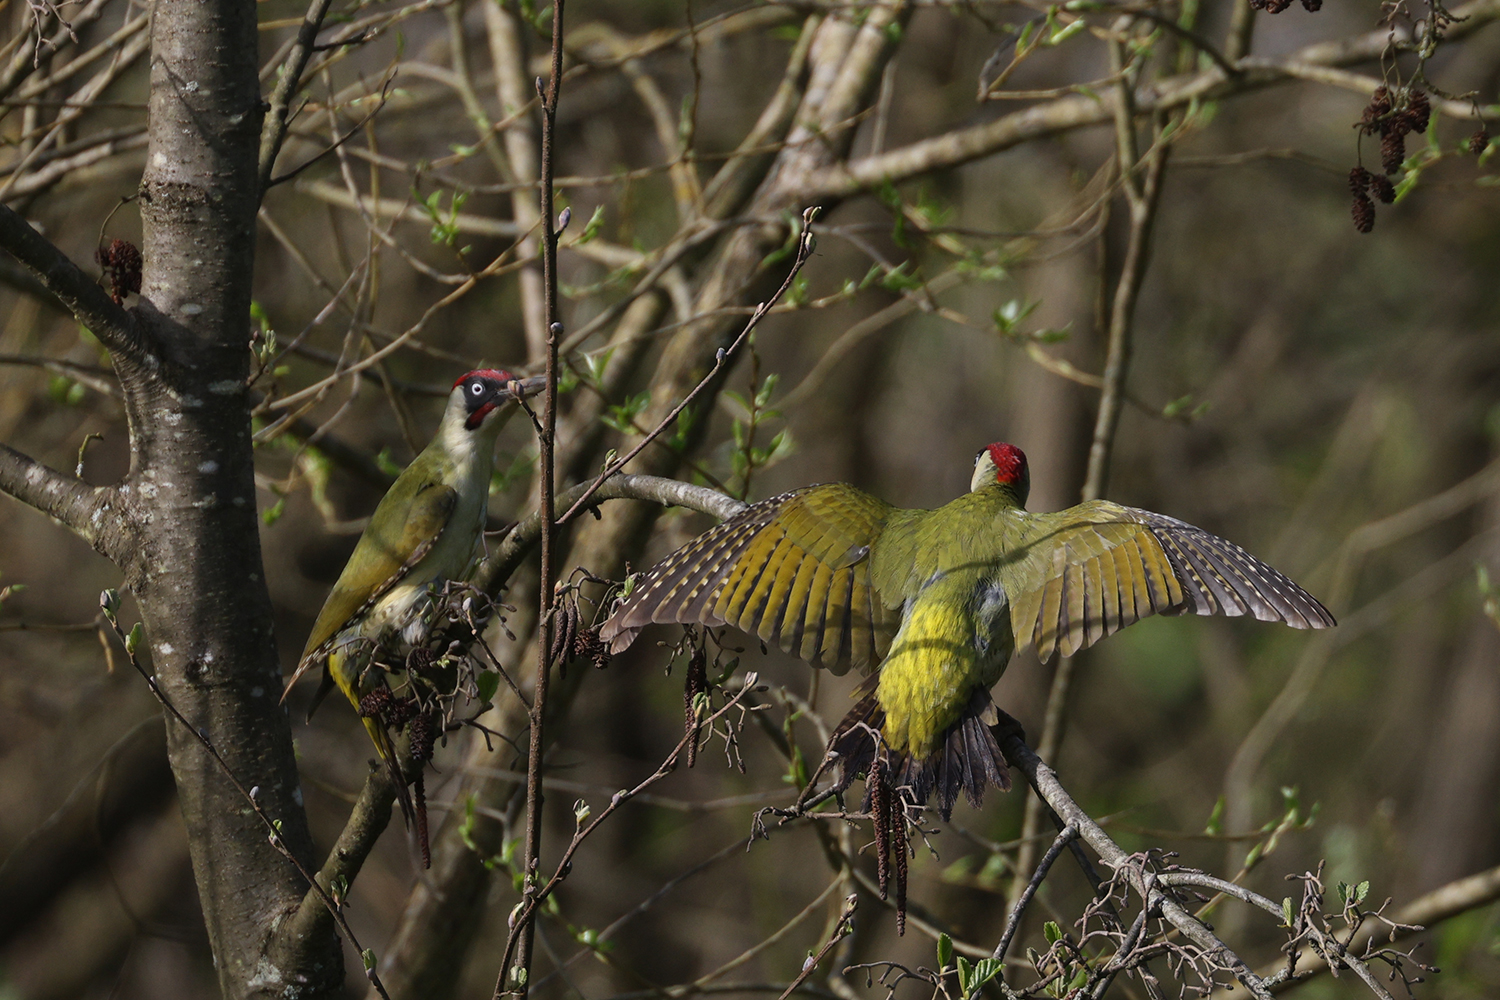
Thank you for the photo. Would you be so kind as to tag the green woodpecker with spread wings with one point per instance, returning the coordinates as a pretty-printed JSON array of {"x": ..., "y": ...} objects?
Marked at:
[{"x": 939, "y": 600}]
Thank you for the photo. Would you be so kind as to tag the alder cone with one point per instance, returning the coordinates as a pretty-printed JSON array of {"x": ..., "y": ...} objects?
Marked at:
[{"x": 1392, "y": 151}]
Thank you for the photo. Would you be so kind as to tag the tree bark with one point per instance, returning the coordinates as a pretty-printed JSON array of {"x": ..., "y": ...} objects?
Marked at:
[
  {"x": 182, "y": 525},
  {"x": 196, "y": 566}
]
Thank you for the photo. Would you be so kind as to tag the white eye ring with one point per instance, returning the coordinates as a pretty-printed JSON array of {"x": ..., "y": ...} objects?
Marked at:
[{"x": 477, "y": 389}]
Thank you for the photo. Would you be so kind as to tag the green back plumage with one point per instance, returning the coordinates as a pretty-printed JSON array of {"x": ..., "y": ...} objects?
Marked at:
[{"x": 390, "y": 545}]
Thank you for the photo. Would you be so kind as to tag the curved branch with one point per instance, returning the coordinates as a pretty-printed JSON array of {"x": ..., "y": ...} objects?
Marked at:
[
  {"x": 670, "y": 492},
  {"x": 96, "y": 377},
  {"x": 1044, "y": 780},
  {"x": 1442, "y": 903},
  {"x": 86, "y": 510},
  {"x": 372, "y": 812},
  {"x": 115, "y": 327},
  {"x": 367, "y": 821}
]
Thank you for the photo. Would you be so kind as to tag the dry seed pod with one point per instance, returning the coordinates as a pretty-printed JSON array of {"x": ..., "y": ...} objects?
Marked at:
[
  {"x": 1359, "y": 181},
  {"x": 1379, "y": 106},
  {"x": 1392, "y": 150},
  {"x": 1418, "y": 111},
  {"x": 879, "y": 786},
  {"x": 376, "y": 704},
  {"x": 695, "y": 684}
]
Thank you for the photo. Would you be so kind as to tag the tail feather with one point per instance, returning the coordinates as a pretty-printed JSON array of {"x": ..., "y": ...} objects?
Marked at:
[
  {"x": 386, "y": 750},
  {"x": 856, "y": 741},
  {"x": 967, "y": 759}
]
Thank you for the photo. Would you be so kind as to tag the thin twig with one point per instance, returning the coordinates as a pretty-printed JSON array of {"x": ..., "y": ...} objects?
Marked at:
[
  {"x": 515, "y": 979},
  {"x": 842, "y": 930},
  {"x": 1142, "y": 198},
  {"x": 1064, "y": 837},
  {"x": 525, "y": 910},
  {"x": 726, "y": 357}
]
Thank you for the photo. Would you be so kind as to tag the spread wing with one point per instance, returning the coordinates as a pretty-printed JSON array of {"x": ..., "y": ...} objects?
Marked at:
[
  {"x": 390, "y": 546},
  {"x": 793, "y": 570},
  {"x": 1087, "y": 572}
]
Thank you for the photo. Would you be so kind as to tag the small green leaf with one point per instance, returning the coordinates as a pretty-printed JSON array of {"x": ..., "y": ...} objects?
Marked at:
[
  {"x": 944, "y": 951},
  {"x": 798, "y": 294},
  {"x": 1215, "y": 825},
  {"x": 368, "y": 958},
  {"x": 487, "y": 682},
  {"x": 597, "y": 363},
  {"x": 1286, "y": 910},
  {"x": 1052, "y": 932},
  {"x": 386, "y": 463},
  {"x": 581, "y": 812},
  {"x": 896, "y": 280},
  {"x": 133, "y": 638},
  {"x": 592, "y": 227},
  {"x": 1027, "y": 30},
  {"x": 273, "y": 513},
  {"x": 984, "y": 970},
  {"x": 1062, "y": 35},
  {"x": 766, "y": 391},
  {"x": 1008, "y": 316},
  {"x": 1176, "y": 406}
]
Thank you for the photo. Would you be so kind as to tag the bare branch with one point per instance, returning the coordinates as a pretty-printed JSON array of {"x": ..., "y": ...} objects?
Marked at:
[
  {"x": 274, "y": 128},
  {"x": 115, "y": 328},
  {"x": 1046, "y": 785},
  {"x": 88, "y": 511}
]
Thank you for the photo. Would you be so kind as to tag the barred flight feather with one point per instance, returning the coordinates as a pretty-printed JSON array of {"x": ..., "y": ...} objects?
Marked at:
[
  {"x": 1150, "y": 564},
  {"x": 792, "y": 570}
]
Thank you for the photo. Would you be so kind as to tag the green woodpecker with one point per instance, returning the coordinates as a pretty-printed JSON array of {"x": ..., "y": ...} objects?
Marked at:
[
  {"x": 940, "y": 599},
  {"x": 424, "y": 533}
]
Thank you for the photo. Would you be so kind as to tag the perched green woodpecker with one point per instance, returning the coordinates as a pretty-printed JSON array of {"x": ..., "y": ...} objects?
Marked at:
[
  {"x": 938, "y": 600},
  {"x": 424, "y": 533}
]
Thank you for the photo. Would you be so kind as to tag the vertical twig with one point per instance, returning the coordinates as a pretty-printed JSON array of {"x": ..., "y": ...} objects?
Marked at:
[
  {"x": 1064, "y": 837},
  {"x": 508, "y": 57},
  {"x": 519, "y": 973},
  {"x": 1140, "y": 180},
  {"x": 1241, "y": 30}
]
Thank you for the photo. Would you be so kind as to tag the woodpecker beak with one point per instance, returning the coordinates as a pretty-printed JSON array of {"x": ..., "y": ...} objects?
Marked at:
[{"x": 523, "y": 388}]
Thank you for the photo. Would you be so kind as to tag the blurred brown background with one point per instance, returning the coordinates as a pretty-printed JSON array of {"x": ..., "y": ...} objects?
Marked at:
[{"x": 1337, "y": 413}]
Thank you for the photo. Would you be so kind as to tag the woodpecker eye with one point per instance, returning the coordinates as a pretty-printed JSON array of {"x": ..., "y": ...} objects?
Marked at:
[{"x": 477, "y": 389}]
